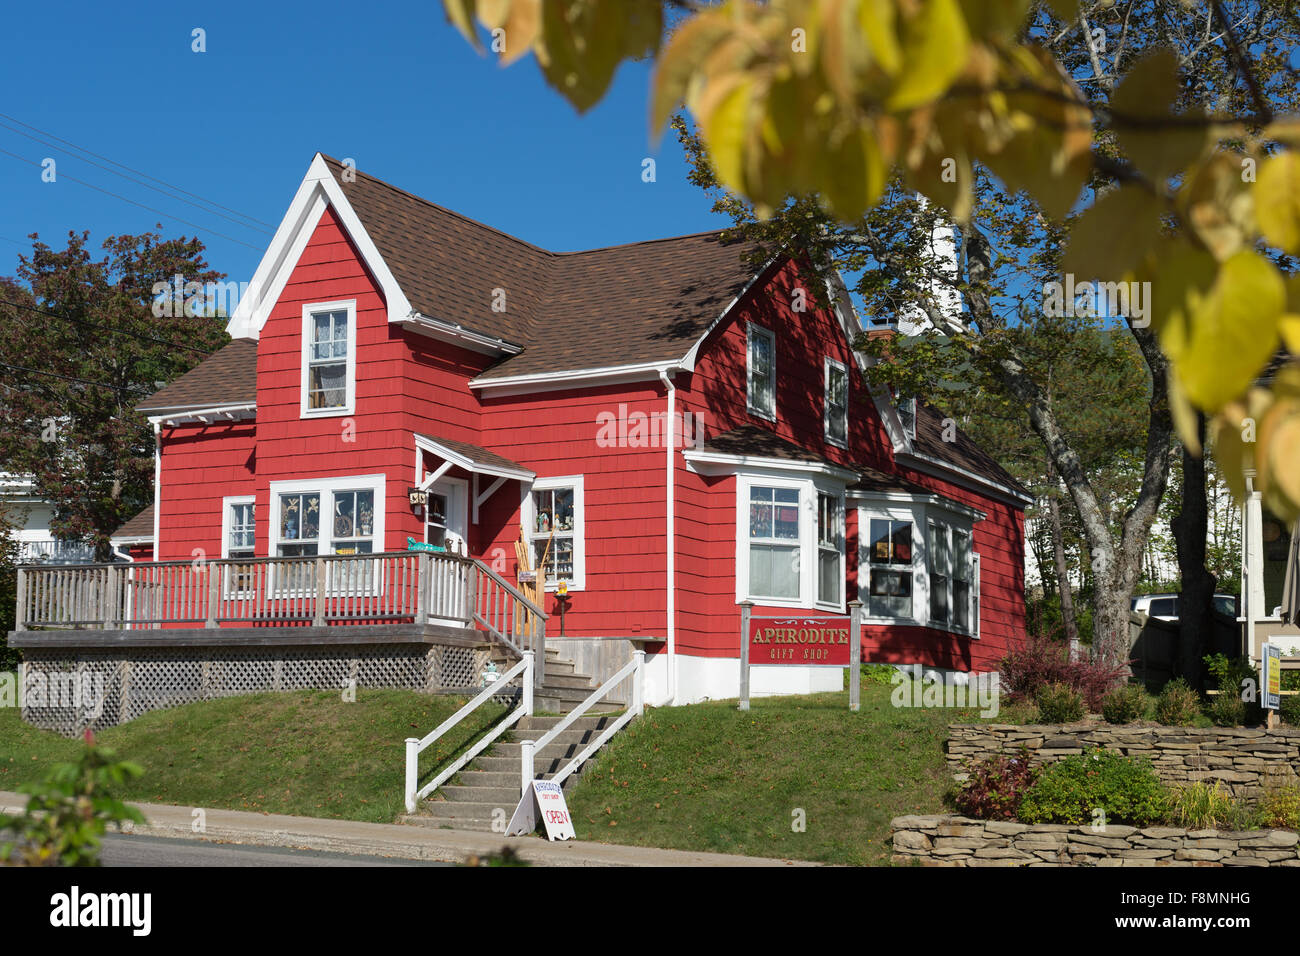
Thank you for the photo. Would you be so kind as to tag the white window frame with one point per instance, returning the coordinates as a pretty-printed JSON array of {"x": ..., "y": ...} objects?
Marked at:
[
  {"x": 227, "y": 525},
  {"x": 230, "y": 577},
  {"x": 808, "y": 488},
  {"x": 841, "y": 533},
  {"x": 326, "y": 488},
  {"x": 528, "y": 514},
  {"x": 828, "y": 365},
  {"x": 922, "y": 514},
  {"x": 349, "y": 406},
  {"x": 754, "y": 329}
]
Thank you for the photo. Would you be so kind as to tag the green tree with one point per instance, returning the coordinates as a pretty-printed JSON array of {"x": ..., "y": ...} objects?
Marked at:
[
  {"x": 81, "y": 344},
  {"x": 1006, "y": 115}
]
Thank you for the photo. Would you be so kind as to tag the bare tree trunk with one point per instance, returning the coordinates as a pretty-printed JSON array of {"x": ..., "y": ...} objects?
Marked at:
[
  {"x": 1064, "y": 588},
  {"x": 1197, "y": 596}
]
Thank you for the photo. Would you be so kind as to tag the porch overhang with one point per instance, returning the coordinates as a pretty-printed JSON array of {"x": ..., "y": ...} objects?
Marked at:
[{"x": 479, "y": 462}]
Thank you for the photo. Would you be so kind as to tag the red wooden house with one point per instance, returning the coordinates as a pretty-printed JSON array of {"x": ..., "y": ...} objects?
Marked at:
[{"x": 676, "y": 431}]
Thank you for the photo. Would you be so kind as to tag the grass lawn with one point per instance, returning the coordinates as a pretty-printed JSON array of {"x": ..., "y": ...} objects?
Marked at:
[
  {"x": 709, "y": 777},
  {"x": 308, "y": 753}
]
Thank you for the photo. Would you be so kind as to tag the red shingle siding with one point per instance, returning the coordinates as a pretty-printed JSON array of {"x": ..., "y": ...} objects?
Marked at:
[{"x": 201, "y": 464}]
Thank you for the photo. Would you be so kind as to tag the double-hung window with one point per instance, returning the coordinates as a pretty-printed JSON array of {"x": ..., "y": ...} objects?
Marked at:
[
  {"x": 237, "y": 542},
  {"x": 830, "y": 548},
  {"x": 553, "y": 522},
  {"x": 836, "y": 403},
  {"x": 953, "y": 571},
  {"x": 888, "y": 565},
  {"x": 329, "y": 358},
  {"x": 790, "y": 542},
  {"x": 774, "y": 542},
  {"x": 761, "y": 372}
]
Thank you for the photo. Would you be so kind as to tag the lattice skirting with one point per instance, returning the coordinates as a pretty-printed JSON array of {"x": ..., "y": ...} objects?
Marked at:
[{"x": 70, "y": 690}]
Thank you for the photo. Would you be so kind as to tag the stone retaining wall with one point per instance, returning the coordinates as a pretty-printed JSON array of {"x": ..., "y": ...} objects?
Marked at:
[
  {"x": 961, "y": 841},
  {"x": 1244, "y": 760}
]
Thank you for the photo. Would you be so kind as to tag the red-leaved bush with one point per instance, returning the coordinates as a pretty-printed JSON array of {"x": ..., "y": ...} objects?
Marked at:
[
  {"x": 996, "y": 786},
  {"x": 1044, "y": 660}
]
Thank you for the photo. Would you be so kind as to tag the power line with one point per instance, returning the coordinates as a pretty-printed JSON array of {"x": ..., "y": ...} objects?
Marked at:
[
  {"x": 109, "y": 192},
  {"x": 136, "y": 171},
  {"x": 104, "y": 328},
  {"x": 138, "y": 182},
  {"x": 79, "y": 381}
]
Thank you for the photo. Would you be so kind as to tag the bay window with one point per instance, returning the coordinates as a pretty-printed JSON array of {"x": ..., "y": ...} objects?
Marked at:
[
  {"x": 917, "y": 563},
  {"x": 790, "y": 541}
]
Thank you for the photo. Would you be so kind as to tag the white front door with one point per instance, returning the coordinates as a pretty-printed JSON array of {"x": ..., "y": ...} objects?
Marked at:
[{"x": 446, "y": 525}]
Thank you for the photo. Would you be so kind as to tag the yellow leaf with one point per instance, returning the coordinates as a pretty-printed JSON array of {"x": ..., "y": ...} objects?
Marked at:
[
  {"x": 723, "y": 114},
  {"x": 1173, "y": 269},
  {"x": 1230, "y": 333},
  {"x": 1217, "y": 204},
  {"x": 1064, "y": 10},
  {"x": 859, "y": 174},
  {"x": 1277, "y": 201},
  {"x": 1184, "y": 416},
  {"x": 1289, "y": 326},
  {"x": 996, "y": 19},
  {"x": 935, "y": 43},
  {"x": 1140, "y": 109},
  {"x": 523, "y": 26},
  {"x": 461, "y": 13},
  {"x": 1110, "y": 239},
  {"x": 677, "y": 66},
  {"x": 876, "y": 21}
]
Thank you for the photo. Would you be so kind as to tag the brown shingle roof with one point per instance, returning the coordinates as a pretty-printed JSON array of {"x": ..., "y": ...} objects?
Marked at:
[
  {"x": 478, "y": 455},
  {"x": 620, "y": 305},
  {"x": 756, "y": 442},
  {"x": 963, "y": 453},
  {"x": 228, "y": 377},
  {"x": 141, "y": 526}
]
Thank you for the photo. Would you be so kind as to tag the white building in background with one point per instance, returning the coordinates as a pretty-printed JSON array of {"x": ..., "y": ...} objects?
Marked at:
[{"x": 32, "y": 514}]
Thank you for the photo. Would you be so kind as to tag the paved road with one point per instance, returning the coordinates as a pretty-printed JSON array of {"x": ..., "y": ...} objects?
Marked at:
[{"x": 122, "y": 850}]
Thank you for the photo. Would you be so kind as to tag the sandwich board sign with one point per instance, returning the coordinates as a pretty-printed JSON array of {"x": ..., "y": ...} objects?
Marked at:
[
  {"x": 1270, "y": 678},
  {"x": 544, "y": 800}
]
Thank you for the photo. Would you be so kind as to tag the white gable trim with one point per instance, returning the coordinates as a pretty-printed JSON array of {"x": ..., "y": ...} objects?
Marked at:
[{"x": 318, "y": 190}]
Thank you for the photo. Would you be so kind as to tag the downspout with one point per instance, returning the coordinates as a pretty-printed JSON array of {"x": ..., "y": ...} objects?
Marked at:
[
  {"x": 670, "y": 590},
  {"x": 157, "y": 486}
]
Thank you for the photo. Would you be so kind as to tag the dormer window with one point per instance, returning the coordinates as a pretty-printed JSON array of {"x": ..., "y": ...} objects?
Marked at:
[
  {"x": 329, "y": 336},
  {"x": 907, "y": 415},
  {"x": 836, "y": 403},
  {"x": 762, "y": 373}
]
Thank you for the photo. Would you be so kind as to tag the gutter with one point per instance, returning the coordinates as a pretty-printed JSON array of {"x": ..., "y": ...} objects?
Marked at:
[{"x": 670, "y": 529}]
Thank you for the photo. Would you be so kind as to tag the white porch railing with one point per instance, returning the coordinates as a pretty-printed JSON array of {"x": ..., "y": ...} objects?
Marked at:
[
  {"x": 502, "y": 610},
  {"x": 415, "y": 746},
  {"x": 529, "y": 748}
]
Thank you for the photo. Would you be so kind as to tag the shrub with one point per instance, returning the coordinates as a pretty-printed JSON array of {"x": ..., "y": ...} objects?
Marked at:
[
  {"x": 1075, "y": 789},
  {"x": 1227, "y": 709},
  {"x": 1059, "y": 704},
  {"x": 1124, "y": 705},
  {"x": 1178, "y": 704},
  {"x": 879, "y": 673},
  {"x": 995, "y": 787},
  {"x": 1279, "y": 807},
  {"x": 1042, "y": 660},
  {"x": 69, "y": 811},
  {"x": 1290, "y": 709},
  {"x": 1198, "y": 806}
]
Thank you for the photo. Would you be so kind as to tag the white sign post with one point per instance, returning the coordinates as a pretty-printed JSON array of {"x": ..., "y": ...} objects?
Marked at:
[{"x": 544, "y": 800}]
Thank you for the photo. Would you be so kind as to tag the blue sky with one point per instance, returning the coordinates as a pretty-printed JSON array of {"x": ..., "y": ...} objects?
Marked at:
[{"x": 393, "y": 86}]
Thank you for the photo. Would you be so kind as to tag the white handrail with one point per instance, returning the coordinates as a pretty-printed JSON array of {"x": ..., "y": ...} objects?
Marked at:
[
  {"x": 529, "y": 748},
  {"x": 415, "y": 745}
]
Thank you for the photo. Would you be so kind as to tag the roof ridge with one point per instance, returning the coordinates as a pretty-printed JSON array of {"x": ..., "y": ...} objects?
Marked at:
[{"x": 501, "y": 232}]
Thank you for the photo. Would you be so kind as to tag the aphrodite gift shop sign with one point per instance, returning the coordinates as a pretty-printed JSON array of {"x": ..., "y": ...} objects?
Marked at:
[{"x": 790, "y": 640}]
